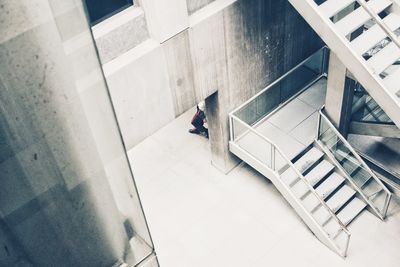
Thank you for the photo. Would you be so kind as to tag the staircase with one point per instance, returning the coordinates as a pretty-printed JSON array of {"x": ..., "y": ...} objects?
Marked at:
[
  {"x": 330, "y": 186},
  {"x": 327, "y": 183},
  {"x": 364, "y": 36}
]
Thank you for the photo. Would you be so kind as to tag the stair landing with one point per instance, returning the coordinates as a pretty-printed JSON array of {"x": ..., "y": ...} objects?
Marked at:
[{"x": 292, "y": 126}]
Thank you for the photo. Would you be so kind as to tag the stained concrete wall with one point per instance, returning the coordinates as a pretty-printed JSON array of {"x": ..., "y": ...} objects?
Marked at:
[
  {"x": 264, "y": 39},
  {"x": 67, "y": 196},
  {"x": 236, "y": 47}
]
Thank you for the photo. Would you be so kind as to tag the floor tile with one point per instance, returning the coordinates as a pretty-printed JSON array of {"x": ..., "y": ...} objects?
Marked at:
[{"x": 291, "y": 115}]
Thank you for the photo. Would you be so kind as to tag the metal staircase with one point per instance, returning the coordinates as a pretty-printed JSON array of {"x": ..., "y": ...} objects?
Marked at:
[
  {"x": 364, "y": 36},
  {"x": 327, "y": 183}
]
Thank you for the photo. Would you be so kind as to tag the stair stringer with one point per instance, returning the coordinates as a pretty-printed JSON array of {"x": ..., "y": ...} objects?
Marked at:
[
  {"x": 288, "y": 195},
  {"x": 338, "y": 44}
]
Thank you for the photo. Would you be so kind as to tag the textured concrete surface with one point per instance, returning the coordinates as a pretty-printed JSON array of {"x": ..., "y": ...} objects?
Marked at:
[
  {"x": 67, "y": 196},
  {"x": 120, "y": 33},
  {"x": 199, "y": 217},
  {"x": 140, "y": 93},
  {"x": 180, "y": 72}
]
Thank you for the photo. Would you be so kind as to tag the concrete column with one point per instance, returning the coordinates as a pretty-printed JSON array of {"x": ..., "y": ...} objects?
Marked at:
[
  {"x": 61, "y": 157},
  {"x": 217, "y": 118},
  {"x": 339, "y": 95}
]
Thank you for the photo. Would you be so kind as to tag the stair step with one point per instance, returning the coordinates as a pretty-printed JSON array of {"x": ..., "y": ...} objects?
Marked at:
[
  {"x": 319, "y": 172},
  {"x": 332, "y": 7},
  {"x": 321, "y": 215},
  {"x": 289, "y": 176},
  {"x": 384, "y": 58},
  {"x": 300, "y": 188},
  {"x": 308, "y": 159},
  {"x": 311, "y": 202},
  {"x": 358, "y": 17},
  {"x": 341, "y": 239},
  {"x": 332, "y": 228},
  {"x": 392, "y": 82},
  {"x": 348, "y": 213},
  {"x": 375, "y": 34},
  {"x": 329, "y": 185},
  {"x": 341, "y": 197}
]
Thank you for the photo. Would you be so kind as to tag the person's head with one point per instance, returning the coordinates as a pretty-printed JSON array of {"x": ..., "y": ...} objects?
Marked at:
[{"x": 201, "y": 105}]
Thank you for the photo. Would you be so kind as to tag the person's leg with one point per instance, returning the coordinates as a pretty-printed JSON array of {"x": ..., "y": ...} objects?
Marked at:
[
  {"x": 203, "y": 130},
  {"x": 197, "y": 123}
]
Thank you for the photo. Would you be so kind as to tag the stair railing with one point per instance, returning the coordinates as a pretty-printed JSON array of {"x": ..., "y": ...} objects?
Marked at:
[
  {"x": 273, "y": 166},
  {"x": 325, "y": 120}
]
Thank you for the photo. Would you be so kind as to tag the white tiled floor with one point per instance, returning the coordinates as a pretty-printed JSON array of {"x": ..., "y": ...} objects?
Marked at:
[{"x": 200, "y": 217}]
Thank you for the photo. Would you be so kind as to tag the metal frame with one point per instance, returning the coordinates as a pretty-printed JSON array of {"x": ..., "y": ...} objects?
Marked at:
[
  {"x": 361, "y": 161},
  {"x": 274, "y": 148}
]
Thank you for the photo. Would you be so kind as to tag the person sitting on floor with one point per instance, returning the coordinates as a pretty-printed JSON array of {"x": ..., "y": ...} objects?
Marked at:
[{"x": 198, "y": 121}]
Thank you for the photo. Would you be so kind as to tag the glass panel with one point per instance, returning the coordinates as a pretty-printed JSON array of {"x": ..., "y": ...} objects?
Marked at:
[
  {"x": 286, "y": 87},
  {"x": 366, "y": 109},
  {"x": 252, "y": 143},
  {"x": 356, "y": 170}
]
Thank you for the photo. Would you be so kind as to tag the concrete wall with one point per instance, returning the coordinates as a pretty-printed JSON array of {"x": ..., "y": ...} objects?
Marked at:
[
  {"x": 234, "y": 46},
  {"x": 67, "y": 196}
]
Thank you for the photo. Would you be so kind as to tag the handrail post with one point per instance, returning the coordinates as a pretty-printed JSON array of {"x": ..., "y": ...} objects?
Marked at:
[
  {"x": 273, "y": 155},
  {"x": 232, "y": 138}
]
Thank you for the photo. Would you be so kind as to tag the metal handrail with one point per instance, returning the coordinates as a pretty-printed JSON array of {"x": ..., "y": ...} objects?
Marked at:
[
  {"x": 289, "y": 162},
  {"x": 380, "y": 22},
  {"x": 276, "y": 81},
  {"x": 348, "y": 146}
]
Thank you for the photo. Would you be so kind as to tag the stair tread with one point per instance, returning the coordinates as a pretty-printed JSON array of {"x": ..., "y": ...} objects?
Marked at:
[
  {"x": 359, "y": 16},
  {"x": 348, "y": 213},
  {"x": 340, "y": 197},
  {"x": 311, "y": 202},
  {"x": 375, "y": 34},
  {"x": 384, "y": 58},
  {"x": 289, "y": 176},
  {"x": 319, "y": 172},
  {"x": 332, "y": 228},
  {"x": 308, "y": 159},
  {"x": 392, "y": 82},
  {"x": 300, "y": 188},
  {"x": 332, "y": 7},
  {"x": 329, "y": 185}
]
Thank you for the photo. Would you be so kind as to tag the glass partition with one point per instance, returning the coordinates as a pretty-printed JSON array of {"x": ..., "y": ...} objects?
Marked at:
[
  {"x": 289, "y": 85},
  {"x": 366, "y": 109},
  {"x": 355, "y": 168}
]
